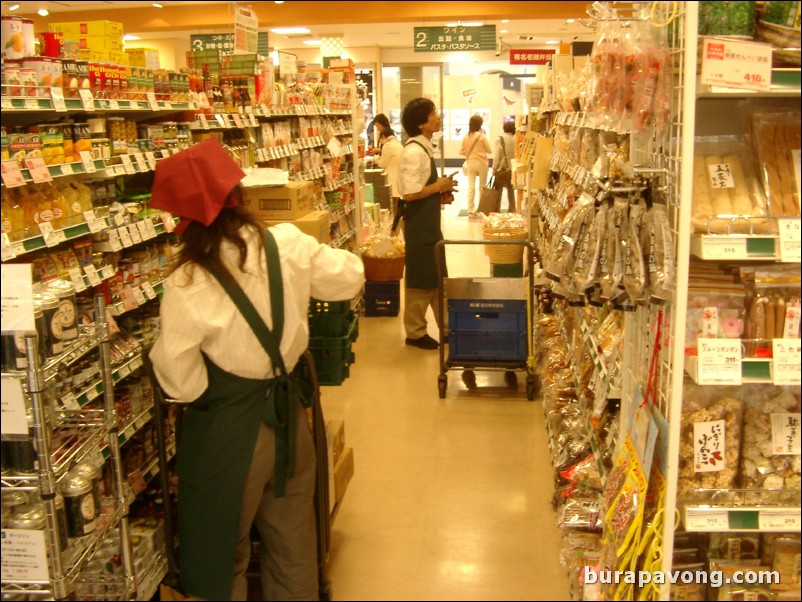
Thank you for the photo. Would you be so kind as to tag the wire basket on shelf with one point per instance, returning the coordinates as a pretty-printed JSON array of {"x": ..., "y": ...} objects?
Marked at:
[
  {"x": 505, "y": 253},
  {"x": 383, "y": 269}
]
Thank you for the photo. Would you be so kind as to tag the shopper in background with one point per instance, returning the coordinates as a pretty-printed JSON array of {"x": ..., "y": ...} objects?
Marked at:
[
  {"x": 374, "y": 129},
  {"x": 503, "y": 154},
  {"x": 420, "y": 188},
  {"x": 246, "y": 454},
  {"x": 475, "y": 148},
  {"x": 388, "y": 161}
]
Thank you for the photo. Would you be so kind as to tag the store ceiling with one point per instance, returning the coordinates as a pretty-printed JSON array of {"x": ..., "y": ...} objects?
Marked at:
[{"x": 361, "y": 24}]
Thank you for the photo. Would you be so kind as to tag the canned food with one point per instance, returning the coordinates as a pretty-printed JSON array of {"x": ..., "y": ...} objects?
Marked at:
[
  {"x": 28, "y": 37},
  {"x": 11, "y": 78},
  {"x": 28, "y": 80},
  {"x": 54, "y": 345},
  {"x": 12, "y": 499},
  {"x": 29, "y": 516},
  {"x": 13, "y": 42},
  {"x": 97, "y": 127},
  {"x": 79, "y": 503},
  {"x": 101, "y": 149},
  {"x": 92, "y": 473},
  {"x": 52, "y": 136},
  {"x": 81, "y": 138},
  {"x": 67, "y": 310}
]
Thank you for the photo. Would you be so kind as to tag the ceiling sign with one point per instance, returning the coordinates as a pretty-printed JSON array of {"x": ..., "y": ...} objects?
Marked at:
[
  {"x": 212, "y": 41},
  {"x": 530, "y": 56},
  {"x": 458, "y": 38}
]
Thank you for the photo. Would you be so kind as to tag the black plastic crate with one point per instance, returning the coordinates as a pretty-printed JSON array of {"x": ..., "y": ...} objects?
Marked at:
[
  {"x": 333, "y": 355},
  {"x": 382, "y": 298}
]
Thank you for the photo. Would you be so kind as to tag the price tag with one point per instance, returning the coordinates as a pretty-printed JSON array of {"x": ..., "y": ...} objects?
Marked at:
[
  {"x": 125, "y": 237},
  {"x": 57, "y": 96},
  {"x": 137, "y": 481},
  {"x": 787, "y": 354},
  {"x": 128, "y": 299},
  {"x": 143, "y": 230},
  {"x": 107, "y": 272},
  {"x": 114, "y": 240},
  {"x": 140, "y": 161},
  {"x": 252, "y": 118},
  {"x": 779, "y": 520},
  {"x": 32, "y": 103},
  {"x": 220, "y": 120},
  {"x": 69, "y": 402},
  {"x": 52, "y": 237},
  {"x": 7, "y": 248},
  {"x": 150, "y": 228},
  {"x": 260, "y": 155},
  {"x": 724, "y": 247},
  {"x": 92, "y": 393},
  {"x": 785, "y": 439},
  {"x": 77, "y": 279},
  {"x": 92, "y": 274},
  {"x": 237, "y": 120},
  {"x": 6, "y": 103},
  {"x": 147, "y": 288},
  {"x": 204, "y": 100},
  {"x": 38, "y": 170},
  {"x": 204, "y": 122},
  {"x": 87, "y": 99},
  {"x": 736, "y": 64},
  {"x": 168, "y": 105},
  {"x": 87, "y": 161},
  {"x": 707, "y": 520},
  {"x": 790, "y": 240},
  {"x": 265, "y": 110},
  {"x": 113, "y": 104},
  {"x": 113, "y": 327},
  {"x": 152, "y": 102},
  {"x": 127, "y": 165},
  {"x": 66, "y": 169},
  {"x": 12, "y": 176},
  {"x": 135, "y": 235},
  {"x": 719, "y": 361},
  {"x": 168, "y": 221},
  {"x": 139, "y": 297},
  {"x": 94, "y": 224},
  {"x": 151, "y": 158}
]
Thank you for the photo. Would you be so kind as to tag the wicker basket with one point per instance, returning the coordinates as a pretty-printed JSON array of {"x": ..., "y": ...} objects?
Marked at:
[
  {"x": 504, "y": 253},
  {"x": 383, "y": 269}
]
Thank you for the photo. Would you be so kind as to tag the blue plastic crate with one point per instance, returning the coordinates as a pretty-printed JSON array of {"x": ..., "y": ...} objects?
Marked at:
[
  {"x": 487, "y": 315},
  {"x": 486, "y": 346},
  {"x": 382, "y": 298}
]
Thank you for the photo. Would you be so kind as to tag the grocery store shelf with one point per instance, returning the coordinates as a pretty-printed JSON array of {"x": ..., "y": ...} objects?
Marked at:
[
  {"x": 735, "y": 247},
  {"x": 721, "y": 510},
  {"x": 753, "y": 371}
]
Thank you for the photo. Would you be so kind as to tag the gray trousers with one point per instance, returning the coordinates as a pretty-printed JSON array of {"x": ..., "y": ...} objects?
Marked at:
[
  {"x": 416, "y": 302},
  {"x": 286, "y": 525}
]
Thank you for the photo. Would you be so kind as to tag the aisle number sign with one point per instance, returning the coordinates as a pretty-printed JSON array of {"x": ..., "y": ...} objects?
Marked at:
[
  {"x": 458, "y": 38},
  {"x": 735, "y": 64}
]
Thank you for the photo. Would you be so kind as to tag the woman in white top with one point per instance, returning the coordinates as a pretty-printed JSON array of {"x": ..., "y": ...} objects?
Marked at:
[
  {"x": 388, "y": 161},
  {"x": 475, "y": 148}
]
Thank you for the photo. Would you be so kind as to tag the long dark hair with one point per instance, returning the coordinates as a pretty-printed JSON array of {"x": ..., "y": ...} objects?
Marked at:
[{"x": 201, "y": 244}]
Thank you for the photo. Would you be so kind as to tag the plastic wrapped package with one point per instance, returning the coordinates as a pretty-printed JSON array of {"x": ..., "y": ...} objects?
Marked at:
[
  {"x": 584, "y": 474},
  {"x": 567, "y": 236},
  {"x": 660, "y": 253},
  {"x": 586, "y": 264},
  {"x": 611, "y": 255},
  {"x": 635, "y": 275},
  {"x": 772, "y": 307},
  {"x": 710, "y": 440},
  {"x": 726, "y": 189},
  {"x": 761, "y": 467},
  {"x": 786, "y": 552},
  {"x": 777, "y": 141},
  {"x": 581, "y": 514},
  {"x": 716, "y": 310},
  {"x": 734, "y": 546}
]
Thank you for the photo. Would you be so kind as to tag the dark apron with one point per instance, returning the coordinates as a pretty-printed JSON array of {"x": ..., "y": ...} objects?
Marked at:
[
  {"x": 217, "y": 441},
  {"x": 421, "y": 233}
]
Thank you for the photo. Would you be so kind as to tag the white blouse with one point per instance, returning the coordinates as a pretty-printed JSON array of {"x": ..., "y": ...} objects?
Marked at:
[{"x": 197, "y": 315}]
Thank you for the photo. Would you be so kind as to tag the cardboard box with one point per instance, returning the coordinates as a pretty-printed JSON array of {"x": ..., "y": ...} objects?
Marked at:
[
  {"x": 98, "y": 43},
  {"x": 314, "y": 223},
  {"x": 343, "y": 473},
  {"x": 335, "y": 439},
  {"x": 147, "y": 58},
  {"x": 73, "y": 29},
  {"x": 283, "y": 203}
]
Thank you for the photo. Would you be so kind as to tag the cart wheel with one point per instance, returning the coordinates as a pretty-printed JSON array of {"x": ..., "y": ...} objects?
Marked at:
[
  {"x": 530, "y": 388},
  {"x": 442, "y": 383}
]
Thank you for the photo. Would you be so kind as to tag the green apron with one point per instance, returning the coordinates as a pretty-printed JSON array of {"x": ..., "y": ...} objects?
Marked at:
[
  {"x": 218, "y": 436},
  {"x": 421, "y": 233}
]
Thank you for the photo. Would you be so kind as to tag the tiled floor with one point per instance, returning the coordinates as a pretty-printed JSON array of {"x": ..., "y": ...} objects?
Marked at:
[{"x": 450, "y": 499}]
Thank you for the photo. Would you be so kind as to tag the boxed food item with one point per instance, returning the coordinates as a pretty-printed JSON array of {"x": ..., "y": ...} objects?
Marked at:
[
  {"x": 73, "y": 29},
  {"x": 147, "y": 58},
  {"x": 314, "y": 223},
  {"x": 287, "y": 202}
]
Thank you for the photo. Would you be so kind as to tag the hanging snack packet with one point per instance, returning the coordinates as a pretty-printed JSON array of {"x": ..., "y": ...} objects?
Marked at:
[{"x": 611, "y": 262}]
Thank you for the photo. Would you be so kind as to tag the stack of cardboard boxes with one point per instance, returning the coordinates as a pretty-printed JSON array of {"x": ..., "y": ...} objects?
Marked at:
[
  {"x": 382, "y": 191},
  {"x": 93, "y": 41},
  {"x": 294, "y": 202}
]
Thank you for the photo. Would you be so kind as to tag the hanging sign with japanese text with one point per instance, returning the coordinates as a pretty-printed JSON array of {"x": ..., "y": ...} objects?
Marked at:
[
  {"x": 246, "y": 25},
  {"x": 212, "y": 41},
  {"x": 530, "y": 56},
  {"x": 456, "y": 38}
]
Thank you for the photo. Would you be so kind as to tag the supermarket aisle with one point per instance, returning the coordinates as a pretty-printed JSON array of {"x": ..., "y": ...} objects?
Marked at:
[{"x": 450, "y": 498}]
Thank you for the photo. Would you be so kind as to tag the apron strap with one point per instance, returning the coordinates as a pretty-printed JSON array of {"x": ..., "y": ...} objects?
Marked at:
[{"x": 279, "y": 411}]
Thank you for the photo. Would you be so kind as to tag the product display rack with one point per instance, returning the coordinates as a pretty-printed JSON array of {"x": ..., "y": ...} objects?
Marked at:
[{"x": 654, "y": 364}]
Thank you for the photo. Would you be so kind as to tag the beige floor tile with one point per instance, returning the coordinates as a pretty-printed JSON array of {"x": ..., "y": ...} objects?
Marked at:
[{"x": 450, "y": 499}]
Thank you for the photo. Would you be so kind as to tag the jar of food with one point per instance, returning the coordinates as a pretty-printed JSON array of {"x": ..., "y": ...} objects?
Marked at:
[
  {"x": 12, "y": 499},
  {"x": 117, "y": 135},
  {"x": 97, "y": 127},
  {"x": 79, "y": 503},
  {"x": 53, "y": 342},
  {"x": 101, "y": 149},
  {"x": 68, "y": 311},
  {"x": 92, "y": 473},
  {"x": 170, "y": 129}
]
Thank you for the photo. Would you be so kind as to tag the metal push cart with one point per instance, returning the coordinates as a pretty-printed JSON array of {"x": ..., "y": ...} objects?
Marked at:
[{"x": 489, "y": 319}]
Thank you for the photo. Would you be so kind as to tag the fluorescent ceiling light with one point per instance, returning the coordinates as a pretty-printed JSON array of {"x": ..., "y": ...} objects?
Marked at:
[
  {"x": 157, "y": 5},
  {"x": 570, "y": 20},
  {"x": 504, "y": 31},
  {"x": 129, "y": 37},
  {"x": 466, "y": 24},
  {"x": 42, "y": 12},
  {"x": 290, "y": 30},
  {"x": 505, "y": 20},
  {"x": 552, "y": 41},
  {"x": 13, "y": 7},
  {"x": 313, "y": 42}
]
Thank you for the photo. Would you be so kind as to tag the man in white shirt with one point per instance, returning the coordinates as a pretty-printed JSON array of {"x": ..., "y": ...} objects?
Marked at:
[{"x": 388, "y": 161}]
